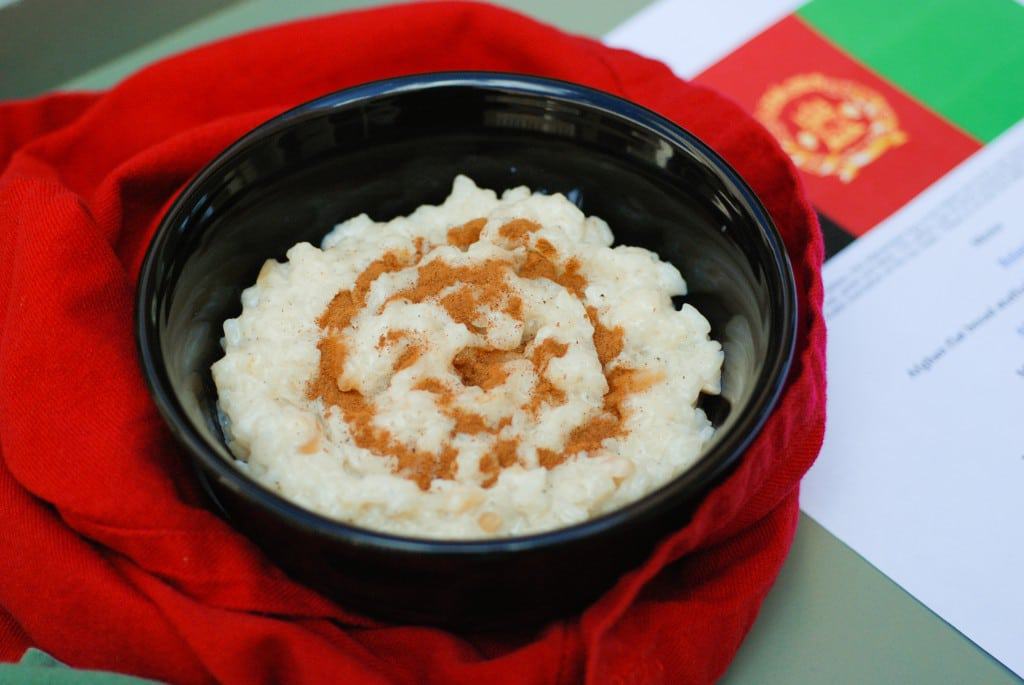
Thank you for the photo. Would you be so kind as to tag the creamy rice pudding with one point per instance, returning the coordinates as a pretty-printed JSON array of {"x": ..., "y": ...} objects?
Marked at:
[{"x": 486, "y": 367}]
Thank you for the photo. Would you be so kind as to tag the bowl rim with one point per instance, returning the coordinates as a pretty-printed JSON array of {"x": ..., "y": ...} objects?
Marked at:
[{"x": 704, "y": 474}]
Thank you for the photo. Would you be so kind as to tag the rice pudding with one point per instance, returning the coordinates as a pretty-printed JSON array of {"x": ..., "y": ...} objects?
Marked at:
[{"x": 486, "y": 367}]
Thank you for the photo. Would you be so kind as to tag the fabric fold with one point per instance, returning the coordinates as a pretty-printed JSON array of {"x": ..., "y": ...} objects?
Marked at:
[{"x": 109, "y": 559}]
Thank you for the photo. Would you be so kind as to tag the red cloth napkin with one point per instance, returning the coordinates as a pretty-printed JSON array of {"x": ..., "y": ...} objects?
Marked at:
[{"x": 108, "y": 558}]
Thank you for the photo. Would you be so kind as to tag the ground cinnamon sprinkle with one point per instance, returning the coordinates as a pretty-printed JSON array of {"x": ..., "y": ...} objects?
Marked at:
[
  {"x": 546, "y": 351},
  {"x": 514, "y": 307},
  {"x": 391, "y": 337},
  {"x": 504, "y": 453},
  {"x": 589, "y": 436},
  {"x": 545, "y": 391},
  {"x": 483, "y": 367},
  {"x": 432, "y": 385},
  {"x": 408, "y": 357},
  {"x": 472, "y": 289},
  {"x": 571, "y": 279},
  {"x": 422, "y": 467},
  {"x": 347, "y": 303},
  {"x": 340, "y": 311},
  {"x": 465, "y": 235},
  {"x": 538, "y": 266},
  {"x": 541, "y": 264},
  {"x": 479, "y": 285},
  {"x": 607, "y": 341},
  {"x": 466, "y": 422},
  {"x": 546, "y": 249},
  {"x": 517, "y": 230},
  {"x": 623, "y": 382},
  {"x": 502, "y": 456},
  {"x": 332, "y": 364}
]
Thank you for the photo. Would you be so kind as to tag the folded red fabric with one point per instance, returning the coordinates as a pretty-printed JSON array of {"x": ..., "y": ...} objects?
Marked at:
[{"x": 108, "y": 557}]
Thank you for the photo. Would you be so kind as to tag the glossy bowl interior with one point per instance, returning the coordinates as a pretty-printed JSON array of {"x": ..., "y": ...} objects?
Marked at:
[{"x": 384, "y": 149}]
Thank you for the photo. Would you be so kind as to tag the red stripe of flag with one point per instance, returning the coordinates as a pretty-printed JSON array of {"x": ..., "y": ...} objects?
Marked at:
[{"x": 865, "y": 147}]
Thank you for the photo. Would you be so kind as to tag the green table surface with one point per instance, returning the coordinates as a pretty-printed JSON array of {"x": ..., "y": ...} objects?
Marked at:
[{"x": 831, "y": 617}]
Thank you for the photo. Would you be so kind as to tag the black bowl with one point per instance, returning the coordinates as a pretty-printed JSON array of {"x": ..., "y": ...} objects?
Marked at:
[{"x": 385, "y": 148}]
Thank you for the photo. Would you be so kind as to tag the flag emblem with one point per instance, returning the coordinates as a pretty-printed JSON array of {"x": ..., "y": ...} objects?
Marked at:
[{"x": 829, "y": 126}]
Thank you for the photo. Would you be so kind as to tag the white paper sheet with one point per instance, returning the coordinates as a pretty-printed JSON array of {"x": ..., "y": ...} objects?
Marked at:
[
  {"x": 691, "y": 35},
  {"x": 922, "y": 471}
]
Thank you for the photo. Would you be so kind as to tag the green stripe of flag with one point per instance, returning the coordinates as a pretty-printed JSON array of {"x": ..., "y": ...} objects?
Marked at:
[{"x": 962, "y": 58}]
